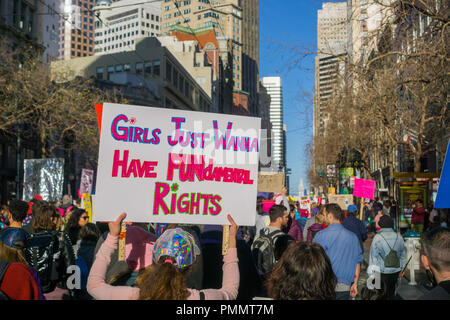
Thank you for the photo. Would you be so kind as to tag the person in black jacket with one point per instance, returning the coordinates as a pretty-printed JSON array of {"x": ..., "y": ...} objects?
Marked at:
[
  {"x": 50, "y": 252},
  {"x": 435, "y": 258}
]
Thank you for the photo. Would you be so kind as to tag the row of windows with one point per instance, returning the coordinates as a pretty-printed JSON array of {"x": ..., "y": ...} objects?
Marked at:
[{"x": 147, "y": 68}]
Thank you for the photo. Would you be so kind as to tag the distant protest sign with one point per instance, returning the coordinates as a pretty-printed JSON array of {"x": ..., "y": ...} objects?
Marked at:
[
  {"x": 176, "y": 166},
  {"x": 343, "y": 200},
  {"x": 364, "y": 188},
  {"x": 86, "y": 181}
]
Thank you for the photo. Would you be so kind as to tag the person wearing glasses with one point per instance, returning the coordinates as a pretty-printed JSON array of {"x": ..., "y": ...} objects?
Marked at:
[{"x": 78, "y": 219}]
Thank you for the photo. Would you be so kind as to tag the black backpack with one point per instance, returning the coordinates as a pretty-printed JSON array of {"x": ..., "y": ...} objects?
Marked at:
[
  {"x": 4, "y": 265},
  {"x": 41, "y": 252},
  {"x": 263, "y": 251}
]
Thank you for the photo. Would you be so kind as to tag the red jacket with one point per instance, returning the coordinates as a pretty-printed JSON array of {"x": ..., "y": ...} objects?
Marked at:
[
  {"x": 418, "y": 215},
  {"x": 18, "y": 283}
]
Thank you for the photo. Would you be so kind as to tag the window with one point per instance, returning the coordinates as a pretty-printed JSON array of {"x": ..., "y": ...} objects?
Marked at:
[
  {"x": 156, "y": 67},
  {"x": 181, "y": 83},
  {"x": 110, "y": 71},
  {"x": 168, "y": 71},
  {"x": 148, "y": 67},
  {"x": 175, "y": 78},
  {"x": 126, "y": 67},
  {"x": 139, "y": 67},
  {"x": 119, "y": 68}
]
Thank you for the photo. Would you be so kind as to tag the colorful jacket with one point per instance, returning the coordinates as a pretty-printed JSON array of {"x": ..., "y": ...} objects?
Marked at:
[{"x": 296, "y": 231}]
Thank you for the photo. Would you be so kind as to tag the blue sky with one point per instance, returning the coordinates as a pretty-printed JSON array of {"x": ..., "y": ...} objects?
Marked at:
[{"x": 288, "y": 29}]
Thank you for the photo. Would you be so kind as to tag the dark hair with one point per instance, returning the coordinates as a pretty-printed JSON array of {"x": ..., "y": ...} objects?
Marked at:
[
  {"x": 72, "y": 224},
  {"x": 303, "y": 272},
  {"x": 277, "y": 211},
  {"x": 335, "y": 210},
  {"x": 291, "y": 208},
  {"x": 18, "y": 209},
  {"x": 281, "y": 243},
  {"x": 43, "y": 218},
  {"x": 89, "y": 232},
  {"x": 436, "y": 246}
]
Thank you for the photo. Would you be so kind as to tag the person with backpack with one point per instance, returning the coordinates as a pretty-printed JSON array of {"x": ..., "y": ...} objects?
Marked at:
[
  {"x": 263, "y": 248},
  {"x": 50, "y": 252},
  {"x": 387, "y": 255}
]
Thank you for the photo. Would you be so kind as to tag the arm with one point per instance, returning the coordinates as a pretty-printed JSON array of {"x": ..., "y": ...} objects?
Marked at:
[
  {"x": 96, "y": 285},
  {"x": 354, "y": 287}
]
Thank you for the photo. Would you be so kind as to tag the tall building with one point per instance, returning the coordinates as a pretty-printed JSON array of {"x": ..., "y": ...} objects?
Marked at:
[
  {"x": 250, "y": 52},
  {"x": 235, "y": 20},
  {"x": 331, "y": 26},
  {"x": 119, "y": 24},
  {"x": 273, "y": 86},
  {"x": 330, "y": 60},
  {"x": 76, "y": 31},
  {"x": 365, "y": 20}
]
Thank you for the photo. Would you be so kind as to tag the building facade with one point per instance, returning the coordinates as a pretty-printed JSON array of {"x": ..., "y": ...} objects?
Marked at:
[
  {"x": 273, "y": 86},
  {"x": 235, "y": 20},
  {"x": 119, "y": 24},
  {"x": 76, "y": 29},
  {"x": 151, "y": 66}
]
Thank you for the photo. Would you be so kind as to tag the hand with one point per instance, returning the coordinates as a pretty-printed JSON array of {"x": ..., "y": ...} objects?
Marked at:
[
  {"x": 233, "y": 228},
  {"x": 114, "y": 227},
  {"x": 401, "y": 274},
  {"x": 354, "y": 290}
]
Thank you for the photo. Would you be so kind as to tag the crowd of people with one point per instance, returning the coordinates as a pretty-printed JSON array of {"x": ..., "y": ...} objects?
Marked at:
[{"x": 50, "y": 251}]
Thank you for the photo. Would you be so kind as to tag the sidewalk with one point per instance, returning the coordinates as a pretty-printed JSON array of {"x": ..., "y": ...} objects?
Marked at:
[{"x": 404, "y": 291}]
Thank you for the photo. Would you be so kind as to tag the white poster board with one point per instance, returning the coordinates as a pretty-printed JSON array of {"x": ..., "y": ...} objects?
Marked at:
[{"x": 175, "y": 166}]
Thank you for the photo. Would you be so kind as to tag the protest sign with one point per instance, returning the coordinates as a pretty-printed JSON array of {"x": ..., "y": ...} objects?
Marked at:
[
  {"x": 364, "y": 188},
  {"x": 86, "y": 181},
  {"x": 343, "y": 200},
  {"x": 87, "y": 205},
  {"x": 442, "y": 198},
  {"x": 44, "y": 177},
  {"x": 270, "y": 181},
  {"x": 305, "y": 204},
  {"x": 176, "y": 166}
]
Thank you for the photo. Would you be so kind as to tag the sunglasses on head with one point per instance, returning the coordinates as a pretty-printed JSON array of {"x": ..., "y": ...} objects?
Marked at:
[{"x": 85, "y": 217}]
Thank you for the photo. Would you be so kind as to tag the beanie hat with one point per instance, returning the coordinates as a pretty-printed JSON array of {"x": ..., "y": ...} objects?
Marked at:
[
  {"x": 352, "y": 208},
  {"x": 178, "y": 244},
  {"x": 386, "y": 222}
]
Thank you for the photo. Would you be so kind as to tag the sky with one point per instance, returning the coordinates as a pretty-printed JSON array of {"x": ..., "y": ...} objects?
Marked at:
[{"x": 288, "y": 38}]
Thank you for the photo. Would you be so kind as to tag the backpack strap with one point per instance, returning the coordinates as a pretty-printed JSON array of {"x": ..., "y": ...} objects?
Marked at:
[
  {"x": 4, "y": 265},
  {"x": 388, "y": 242}
]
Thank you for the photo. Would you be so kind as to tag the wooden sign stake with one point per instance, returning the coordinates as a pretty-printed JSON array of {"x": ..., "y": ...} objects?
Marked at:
[
  {"x": 226, "y": 237},
  {"x": 122, "y": 237}
]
